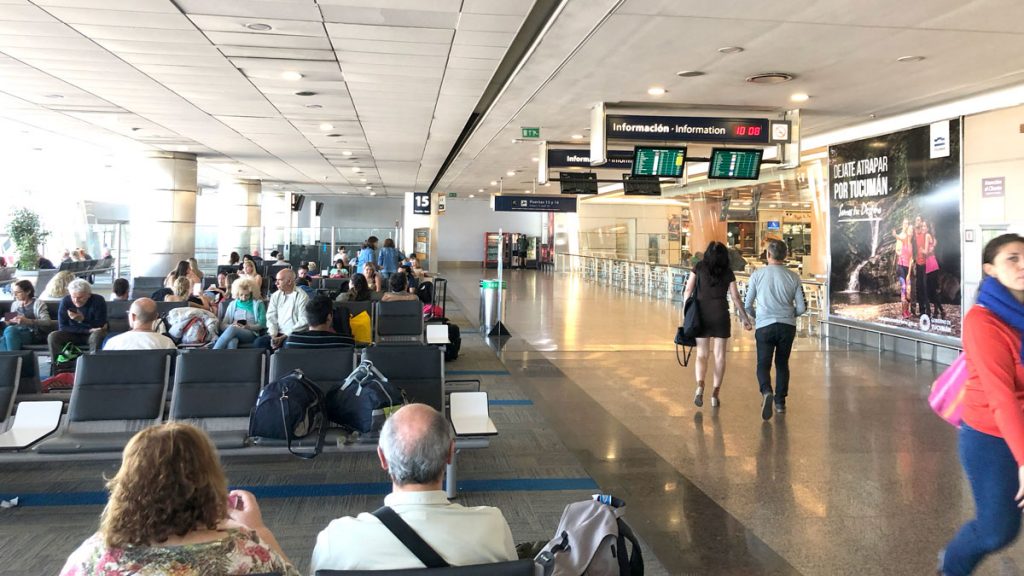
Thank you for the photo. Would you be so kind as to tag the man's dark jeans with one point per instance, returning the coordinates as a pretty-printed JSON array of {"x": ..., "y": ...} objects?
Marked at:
[{"x": 774, "y": 340}]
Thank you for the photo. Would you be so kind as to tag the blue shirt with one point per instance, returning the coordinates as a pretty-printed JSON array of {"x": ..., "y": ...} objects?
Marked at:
[
  {"x": 365, "y": 255},
  {"x": 94, "y": 312},
  {"x": 389, "y": 259}
]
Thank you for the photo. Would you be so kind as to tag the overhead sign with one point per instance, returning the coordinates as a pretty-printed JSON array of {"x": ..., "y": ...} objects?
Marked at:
[
  {"x": 421, "y": 203},
  {"x": 688, "y": 129},
  {"x": 519, "y": 203},
  {"x": 453, "y": 194},
  {"x": 531, "y": 132},
  {"x": 617, "y": 159},
  {"x": 577, "y": 182}
]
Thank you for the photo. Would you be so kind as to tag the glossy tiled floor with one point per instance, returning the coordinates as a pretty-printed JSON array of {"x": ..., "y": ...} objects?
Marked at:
[{"x": 858, "y": 478}]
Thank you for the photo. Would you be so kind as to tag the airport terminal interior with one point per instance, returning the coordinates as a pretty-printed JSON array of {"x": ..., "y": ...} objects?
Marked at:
[{"x": 554, "y": 171}]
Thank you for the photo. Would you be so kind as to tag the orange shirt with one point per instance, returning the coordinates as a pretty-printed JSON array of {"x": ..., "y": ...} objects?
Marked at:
[{"x": 994, "y": 397}]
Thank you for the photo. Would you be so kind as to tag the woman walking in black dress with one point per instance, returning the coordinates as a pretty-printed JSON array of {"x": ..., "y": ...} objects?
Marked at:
[{"x": 717, "y": 281}]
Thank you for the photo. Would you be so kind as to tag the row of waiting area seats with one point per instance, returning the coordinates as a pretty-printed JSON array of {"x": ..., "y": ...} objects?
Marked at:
[{"x": 115, "y": 394}]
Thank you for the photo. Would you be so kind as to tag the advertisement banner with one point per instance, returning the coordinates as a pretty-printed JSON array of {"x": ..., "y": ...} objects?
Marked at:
[{"x": 895, "y": 230}]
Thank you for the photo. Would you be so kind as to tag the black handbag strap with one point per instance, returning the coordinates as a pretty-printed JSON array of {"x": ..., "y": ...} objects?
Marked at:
[
  {"x": 321, "y": 432},
  {"x": 409, "y": 538}
]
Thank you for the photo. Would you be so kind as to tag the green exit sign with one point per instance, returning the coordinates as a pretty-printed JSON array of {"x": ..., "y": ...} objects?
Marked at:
[
  {"x": 531, "y": 132},
  {"x": 453, "y": 194}
]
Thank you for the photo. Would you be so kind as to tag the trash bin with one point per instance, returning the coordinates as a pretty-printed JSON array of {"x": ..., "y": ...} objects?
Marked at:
[{"x": 490, "y": 294}]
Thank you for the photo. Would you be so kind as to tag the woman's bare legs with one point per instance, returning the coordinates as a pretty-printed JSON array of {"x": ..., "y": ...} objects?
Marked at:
[
  {"x": 719, "y": 348},
  {"x": 701, "y": 367}
]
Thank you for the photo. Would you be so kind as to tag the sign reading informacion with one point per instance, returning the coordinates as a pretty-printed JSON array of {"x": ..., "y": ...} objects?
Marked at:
[
  {"x": 520, "y": 203},
  {"x": 620, "y": 159},
  {"x": 421, "y": 203},
  {"x": 531, "y": 132},
  {"x": 688, "y": 129}
]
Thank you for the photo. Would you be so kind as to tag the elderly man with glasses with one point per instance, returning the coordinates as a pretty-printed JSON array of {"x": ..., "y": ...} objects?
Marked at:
[
  {"x": 285, "y": 313},
  {"x": 81, "y": 320}
]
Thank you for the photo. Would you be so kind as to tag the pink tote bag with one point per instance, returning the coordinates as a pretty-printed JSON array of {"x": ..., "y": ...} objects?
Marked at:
[{"x": 947, "y": 395}]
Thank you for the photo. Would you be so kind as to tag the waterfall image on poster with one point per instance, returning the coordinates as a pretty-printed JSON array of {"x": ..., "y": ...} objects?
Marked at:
[{"x": 895, "y": 230}]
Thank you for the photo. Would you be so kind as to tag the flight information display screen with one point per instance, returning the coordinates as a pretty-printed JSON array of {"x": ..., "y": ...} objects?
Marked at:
[
  {"x": 641, "y": 185},
  {"x": 662, "y": 161},
  {"x": 735, "y": 164},
  {"x": 577, "y": 182}
]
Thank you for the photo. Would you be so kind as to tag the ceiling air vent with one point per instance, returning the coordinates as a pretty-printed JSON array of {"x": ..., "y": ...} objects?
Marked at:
[{"x": 770, "y": 78}]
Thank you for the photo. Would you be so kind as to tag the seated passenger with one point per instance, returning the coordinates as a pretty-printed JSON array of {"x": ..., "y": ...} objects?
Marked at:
[
  {"x": 45, "y": 263},
  {"x": 399, "y": 289},
  {"x": 314, "y": 270},
  {"x": 373, "y": 278},
  {"x": 248, "y": 271},
  {"x": 170, "y": 512},
  {"x": 194, "y": 271},
  {"x": 142, "y": 336},
  {"x": 234, "y": 259},
  {"x": 285, "y": 314},
  {"x": 119, "y": 291},
  {"x": 303, "y": 284},
  {"x": 358, "y": 291},
  {"x": 182, "y": 292},
  {"x": 28, "y": 321},
  {"x": 182, "y": 270},
  {"x": 415, "y": 445},
  {"x": 338, "y": 270},
  {"x": 321, "y": 334},
  {"x": 243, "y": 318},
  {"x": 57, "y": 287},
  {"x": 81, "y": 319}
]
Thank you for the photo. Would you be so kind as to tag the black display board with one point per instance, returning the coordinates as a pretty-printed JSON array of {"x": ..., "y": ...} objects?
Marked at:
[
  {"x": 577, "y": 182},
  {"x": 641, "y": 185}
]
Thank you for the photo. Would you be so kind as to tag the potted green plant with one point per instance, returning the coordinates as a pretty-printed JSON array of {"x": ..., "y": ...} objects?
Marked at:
[{"x": 27, "y": 232}]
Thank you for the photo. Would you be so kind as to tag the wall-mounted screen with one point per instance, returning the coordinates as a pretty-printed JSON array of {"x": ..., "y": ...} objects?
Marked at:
[
  {"x": 577, "y": 182},
  {"x": 664, "y": 161},
  {"x": 641, "y": 185},
  {"x": 774, "y": 226},
  {"x": 735, "y": 164}
]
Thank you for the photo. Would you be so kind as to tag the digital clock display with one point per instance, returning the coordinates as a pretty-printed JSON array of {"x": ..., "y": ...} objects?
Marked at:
[{"x": 747, "y": 130}]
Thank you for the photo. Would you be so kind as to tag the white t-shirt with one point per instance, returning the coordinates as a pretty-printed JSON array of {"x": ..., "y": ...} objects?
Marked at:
[
  {"x": 462, "y": 536},
  {"x": 134, "y": 340}
]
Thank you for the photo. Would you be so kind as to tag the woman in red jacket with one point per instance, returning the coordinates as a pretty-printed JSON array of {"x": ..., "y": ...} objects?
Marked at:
[{"x": 992, "y": 432}]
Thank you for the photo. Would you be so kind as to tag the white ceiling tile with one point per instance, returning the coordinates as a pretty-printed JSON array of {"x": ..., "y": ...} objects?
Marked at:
[
  {"x": 47, "y": 43},
  {"x": 475, "y": 38},
  {"x": 23, "y": 13},
  {"x": 490, "y": 23},
  {"x": 238, "y": 24},
  {"x": 45, "y": 29},
  {"x": 343, "y": 46},
  {"x": 417, "y": 60},
  {"x": 461, "y": 62},
  {"x": 271, "y": 69},
  {"x": 141, "y": 34},
  {"x": 408, "y": 71},
  {"x": 390, "y": 33},
  {"x": 281, "y": 53},
  {"x": 198, "y": 49},
  {"x": 134, "y": 19},
  {"x": 268, "y": 40},
  {"x": 464, "y": 51},
  {"x": 389, "y": 17},
  {"x": 130, "y": 5},
  {"x": 510, "y": 7},
  {"x": 272, "y": 9}
]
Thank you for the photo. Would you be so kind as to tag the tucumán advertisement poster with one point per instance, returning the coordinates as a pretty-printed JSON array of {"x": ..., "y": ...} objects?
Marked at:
[{"x": 895, "y": 230}]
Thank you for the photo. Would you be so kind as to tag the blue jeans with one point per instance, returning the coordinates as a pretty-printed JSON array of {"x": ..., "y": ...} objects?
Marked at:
[
  {"x": 14, "y": 337},
  {"x": 774, "y": 341},
  {"x": 234, "y": 335},
  {"x": 992, "y": 472}
]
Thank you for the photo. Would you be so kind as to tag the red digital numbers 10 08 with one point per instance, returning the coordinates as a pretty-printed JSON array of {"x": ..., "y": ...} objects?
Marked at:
[{"x": 748, "y": 130}]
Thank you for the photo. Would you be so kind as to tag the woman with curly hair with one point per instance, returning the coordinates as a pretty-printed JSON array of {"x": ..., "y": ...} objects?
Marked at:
[
  {"x": 57, "y": 287},
  {"x": 170, "y": 512}
]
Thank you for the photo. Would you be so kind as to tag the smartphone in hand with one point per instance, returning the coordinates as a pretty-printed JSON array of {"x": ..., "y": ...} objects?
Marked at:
[{"x": 235, "y": 502}]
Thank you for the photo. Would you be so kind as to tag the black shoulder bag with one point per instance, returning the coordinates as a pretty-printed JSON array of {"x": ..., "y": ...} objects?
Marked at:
[
  {"x": 686, "y": 335},
  {"x": 408, "y": 537}
]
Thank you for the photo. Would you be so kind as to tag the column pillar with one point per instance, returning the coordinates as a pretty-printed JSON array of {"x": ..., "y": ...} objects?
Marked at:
[
  {"x": 705, "y": 224},
  {"x": 163, "y": 214},
  {"x": 239, "y": 218},
  {"x": 817, "y": 263}
]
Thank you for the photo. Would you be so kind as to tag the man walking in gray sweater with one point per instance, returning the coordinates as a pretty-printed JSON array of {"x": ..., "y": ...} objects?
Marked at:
[{"x": 774, "y": 298}]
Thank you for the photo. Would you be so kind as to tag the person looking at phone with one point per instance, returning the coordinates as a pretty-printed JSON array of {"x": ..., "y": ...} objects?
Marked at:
[
  {"x": 81, "y": 319},
  {"x": 243, "y": 318},
  {"x": 170, "y": 512},
  {"x": 27, "y": 321},
  {"x": 142, "y": 316}
]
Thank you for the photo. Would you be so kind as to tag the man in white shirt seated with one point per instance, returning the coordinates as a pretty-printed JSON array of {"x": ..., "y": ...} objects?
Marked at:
[
  {"x": 286, "y": 312},
  {"x": 415, "y": 445},
  {"x": 142, "y": 336}
]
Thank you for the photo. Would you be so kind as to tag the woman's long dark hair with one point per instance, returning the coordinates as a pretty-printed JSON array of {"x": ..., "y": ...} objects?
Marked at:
[
  {"x": 716, "y": 261},
  {"x": 359, "y": 288},
  {"x": 988, "y": 256}
]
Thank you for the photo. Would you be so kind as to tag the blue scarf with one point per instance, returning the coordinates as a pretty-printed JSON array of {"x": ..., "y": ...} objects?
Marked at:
[{"x": 994, "y": 296}]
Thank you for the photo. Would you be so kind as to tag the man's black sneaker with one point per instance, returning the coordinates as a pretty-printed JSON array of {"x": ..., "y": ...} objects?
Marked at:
[
  {"x": 766, "y": 406},
  {"x": 780, "y": 408}
]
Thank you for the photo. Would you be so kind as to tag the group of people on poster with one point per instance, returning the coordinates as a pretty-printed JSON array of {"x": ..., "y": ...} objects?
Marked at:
[{"x": 917, "y": 269}]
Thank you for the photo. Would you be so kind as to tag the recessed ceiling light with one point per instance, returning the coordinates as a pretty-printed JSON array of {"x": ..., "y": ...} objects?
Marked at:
[
  {"x": 346, "y": 153},
  {"x": 577, "y": 136},
  {"x": 906, "y": 59},
  {"x": 656, "y": 91},
  {"x": 326, "y": 126},
  {"x": 333, "y": 135},
  {"x": 796, "y": 203},
  {"x": 481, "y": 190},
  {"x": 730, "y": 50},
  {"x": 534, "y": 159},
  {"x": 314, "y": 106},
  {"x": 510, "y": 173},
  {"x": 54, "y": 96},
  {"x": 369, "y": 187},
  {"x": 305, "y": 93},
  {"x": 373, "y": 193},
  {"x": 770, "y": 78},
  {"x": 291, "y": 75},
  {"x": 357, "y": 169},
  {"x": 494, "y": 182},
  {"x": 362, "y": 179},
  {"x": 259, "y": 26},
  {"x": 799, "y": 97},
  {"x": 344, "y": 191},
  {"x": 472, "y": 196},
  {"x": 775, "y": 205},
  {"x": 689, "y": 73}
]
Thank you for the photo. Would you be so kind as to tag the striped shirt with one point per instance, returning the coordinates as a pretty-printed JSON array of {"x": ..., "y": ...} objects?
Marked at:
[{"x": 315, "y": 339}]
